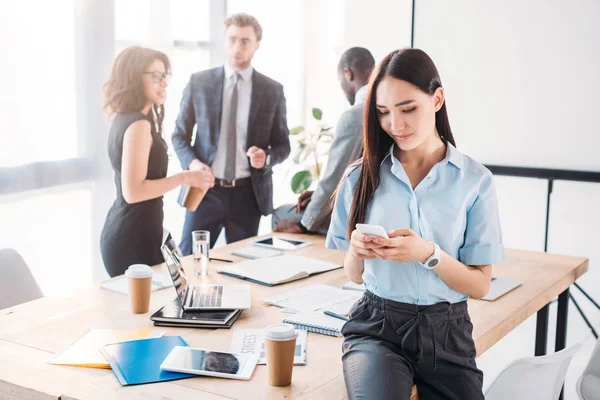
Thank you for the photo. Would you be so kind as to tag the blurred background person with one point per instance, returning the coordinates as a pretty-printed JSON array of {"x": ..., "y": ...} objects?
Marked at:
[
  {"x": 312, "y": 213},
  {"x": 241, "y": 133},
  {"x": 134, "y": 96}
]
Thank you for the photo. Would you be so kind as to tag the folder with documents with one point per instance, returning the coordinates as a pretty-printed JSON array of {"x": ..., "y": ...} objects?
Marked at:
[
  {"x": 85, "y": 352},
  {"x": 139, "y": 361}
]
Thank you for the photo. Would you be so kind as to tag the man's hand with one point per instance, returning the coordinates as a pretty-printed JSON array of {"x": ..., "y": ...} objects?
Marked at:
[
  {"x": 303, "y": 200},
  {"x": 288, "y": 226},
  {"x": 257, "y": 156},
  {"x": 207, "y": 175}
]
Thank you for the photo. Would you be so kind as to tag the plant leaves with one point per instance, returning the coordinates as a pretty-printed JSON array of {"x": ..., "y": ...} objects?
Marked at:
[
  {"x": 317, "y": 113},
  {"x": 296, "y": 130},
  {"x": 326, "y": 128},
  {"x": 301, "y": 181}
]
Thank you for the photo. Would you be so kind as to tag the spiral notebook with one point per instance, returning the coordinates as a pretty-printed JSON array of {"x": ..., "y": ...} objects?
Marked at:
[{"x": 316, "y": 321}]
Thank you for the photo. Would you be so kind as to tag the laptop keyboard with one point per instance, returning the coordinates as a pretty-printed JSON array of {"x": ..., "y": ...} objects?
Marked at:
[{"x": 207, "y": 296}]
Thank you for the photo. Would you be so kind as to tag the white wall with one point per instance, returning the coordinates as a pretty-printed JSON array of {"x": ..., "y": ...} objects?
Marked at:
[
  {"x": 521, "y": 81},
  {"x": 521, "y": 77}
]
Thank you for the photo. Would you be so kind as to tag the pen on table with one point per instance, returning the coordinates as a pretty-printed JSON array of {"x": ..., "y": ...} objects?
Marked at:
[
  {"x": 220, "y": 259},
  {"x": 332, "y": 314}
]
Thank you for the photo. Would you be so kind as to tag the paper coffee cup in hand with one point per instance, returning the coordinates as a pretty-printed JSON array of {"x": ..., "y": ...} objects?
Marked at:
[
  {"x": 140, "y": 287},
  {"x": 280, "y": 346}
]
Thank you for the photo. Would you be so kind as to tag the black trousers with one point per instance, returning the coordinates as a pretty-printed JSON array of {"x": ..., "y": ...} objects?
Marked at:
[
  {"x": 389, "y": 345},
  {"x": 234, "y": 209}
]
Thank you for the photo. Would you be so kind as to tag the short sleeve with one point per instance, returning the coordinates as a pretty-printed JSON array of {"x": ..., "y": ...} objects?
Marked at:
[
  {"x": 483, "y": 235},
  {"x": 336, "y": 235}
]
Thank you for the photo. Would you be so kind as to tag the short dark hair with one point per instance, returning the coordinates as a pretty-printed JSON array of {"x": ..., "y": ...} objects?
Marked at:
[{"x": 358, "y": 59}]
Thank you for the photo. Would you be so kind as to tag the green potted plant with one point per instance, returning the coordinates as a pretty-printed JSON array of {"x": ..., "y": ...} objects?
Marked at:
[{"x": 312, "y": 146}]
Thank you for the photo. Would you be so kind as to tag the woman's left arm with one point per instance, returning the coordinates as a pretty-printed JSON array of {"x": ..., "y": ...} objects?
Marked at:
[{"x": 405, "y": 245}]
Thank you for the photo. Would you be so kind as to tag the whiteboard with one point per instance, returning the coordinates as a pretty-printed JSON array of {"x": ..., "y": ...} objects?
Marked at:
[{"x": 522, "y": 78}]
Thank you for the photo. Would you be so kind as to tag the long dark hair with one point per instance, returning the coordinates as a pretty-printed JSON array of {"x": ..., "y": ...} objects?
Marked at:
[
  {"x": 124, "y": 90},
  {"x": 413, "y": 66}
]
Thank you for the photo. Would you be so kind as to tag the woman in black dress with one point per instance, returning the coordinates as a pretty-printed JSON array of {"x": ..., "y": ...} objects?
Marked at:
[{"x": 135, "y": 95}]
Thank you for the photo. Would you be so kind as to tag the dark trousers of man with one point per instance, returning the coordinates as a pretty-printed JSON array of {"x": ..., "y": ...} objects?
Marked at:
[
  {"x": 389, "y": 345},
  {"x": 232, "y": 208}
]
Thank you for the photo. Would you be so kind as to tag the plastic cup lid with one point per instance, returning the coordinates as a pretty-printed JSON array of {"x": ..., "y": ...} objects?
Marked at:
[
  {"x": 280, "y": 332},
  {"x": 139, "y": 271}
]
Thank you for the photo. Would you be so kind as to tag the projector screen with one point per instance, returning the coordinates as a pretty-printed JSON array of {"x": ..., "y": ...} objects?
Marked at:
[{"x": 522, "y": 78}]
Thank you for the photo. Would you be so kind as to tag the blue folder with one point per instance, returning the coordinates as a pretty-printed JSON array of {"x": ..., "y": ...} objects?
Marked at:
[{"x": 138, "y": 361}]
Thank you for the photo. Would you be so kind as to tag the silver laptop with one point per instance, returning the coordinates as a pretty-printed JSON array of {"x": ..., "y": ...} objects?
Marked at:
[
  {"x": 204, "y": 297},
  {"x": 501, "y": 286}
]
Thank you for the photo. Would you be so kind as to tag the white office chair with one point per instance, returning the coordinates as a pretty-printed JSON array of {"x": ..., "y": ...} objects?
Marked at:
[
  {"x": 17, "y": 285},
  {"x": 588, "y": 385},
  {"x": 539, "y": 378}
]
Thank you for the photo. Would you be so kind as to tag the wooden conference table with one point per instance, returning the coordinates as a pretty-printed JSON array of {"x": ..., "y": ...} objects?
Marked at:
[{"x": 31, "y": 333}]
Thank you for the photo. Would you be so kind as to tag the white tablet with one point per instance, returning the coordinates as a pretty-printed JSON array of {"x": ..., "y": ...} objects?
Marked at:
[
  {"x": 211, "y": 363},
  {"x": 281, "y": 243}
]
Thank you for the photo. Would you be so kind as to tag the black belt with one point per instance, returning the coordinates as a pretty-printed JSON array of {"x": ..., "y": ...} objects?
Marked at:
[{"x": 231, "y": 184}]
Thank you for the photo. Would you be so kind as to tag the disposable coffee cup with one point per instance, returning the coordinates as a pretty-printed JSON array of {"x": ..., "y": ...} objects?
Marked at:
[
  {"x": 193, "y": 199},
  {"x": 280, "y": 346},
  {"x": 140, "y": 287}
]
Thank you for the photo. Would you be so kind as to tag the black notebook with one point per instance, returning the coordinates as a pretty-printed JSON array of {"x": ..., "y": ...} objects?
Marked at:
[{"x": 174, "y": 314}]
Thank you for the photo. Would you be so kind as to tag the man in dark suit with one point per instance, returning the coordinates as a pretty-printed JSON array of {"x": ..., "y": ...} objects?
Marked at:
[{"x": 241, "y": 133}]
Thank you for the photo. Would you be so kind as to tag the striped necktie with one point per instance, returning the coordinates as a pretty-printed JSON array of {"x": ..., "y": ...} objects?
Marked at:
[{"x": 232, "y": 132}]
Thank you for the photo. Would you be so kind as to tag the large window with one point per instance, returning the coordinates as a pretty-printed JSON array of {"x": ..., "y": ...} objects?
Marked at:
[{"x": 37, "y": 100}]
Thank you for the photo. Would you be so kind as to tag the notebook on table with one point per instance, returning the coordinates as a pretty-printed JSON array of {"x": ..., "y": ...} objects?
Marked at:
[
  {"x": 273, "y": 271},
  {"x": 499, "y": 287},
  {"x": 316, "y": 321},
  {"x": 197, "y": 326},
  {"x": 174, "y": 315},
  {"x": 138, "y": 361}
]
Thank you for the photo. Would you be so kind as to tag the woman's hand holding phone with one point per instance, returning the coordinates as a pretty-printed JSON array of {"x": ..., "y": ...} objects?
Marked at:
[
  {"x": 362, "y": 246},
  {"x": 403, "y": 245}
]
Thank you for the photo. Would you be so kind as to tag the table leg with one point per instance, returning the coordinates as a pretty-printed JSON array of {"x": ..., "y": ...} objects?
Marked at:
[
  {"x": 561, "y": 325},
  {"x": 541, "y": 331}
]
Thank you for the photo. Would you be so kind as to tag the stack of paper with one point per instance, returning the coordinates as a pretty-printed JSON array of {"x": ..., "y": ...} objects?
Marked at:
[
  {"x": 316, "y": 297},
  {"x": 121, "y": 285}
]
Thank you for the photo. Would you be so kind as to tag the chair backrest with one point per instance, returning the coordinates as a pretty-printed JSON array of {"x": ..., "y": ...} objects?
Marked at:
[
  {"x": 539, "y": 378},
  {"x": 588, "y": 385},
  {"x": 17, "y": 284}
]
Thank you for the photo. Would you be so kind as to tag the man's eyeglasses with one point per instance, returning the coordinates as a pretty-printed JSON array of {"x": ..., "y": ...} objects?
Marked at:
[{"x": 157, "y": 77}]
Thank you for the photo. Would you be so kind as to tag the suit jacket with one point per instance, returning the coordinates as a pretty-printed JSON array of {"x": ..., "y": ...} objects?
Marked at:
[
  {"x": 347, "y": 147},
  {"x": 201, "y": 105}
]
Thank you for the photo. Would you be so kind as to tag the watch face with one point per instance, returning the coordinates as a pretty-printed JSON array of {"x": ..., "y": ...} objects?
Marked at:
[{"x": 432, "y": 263}]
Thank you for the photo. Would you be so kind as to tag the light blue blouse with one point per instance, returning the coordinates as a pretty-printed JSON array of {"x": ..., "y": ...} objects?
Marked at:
[{"x": 455, "y": 206}]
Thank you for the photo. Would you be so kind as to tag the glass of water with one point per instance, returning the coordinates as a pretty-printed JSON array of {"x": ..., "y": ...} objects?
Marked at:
[{"x": 200, "y": 245}]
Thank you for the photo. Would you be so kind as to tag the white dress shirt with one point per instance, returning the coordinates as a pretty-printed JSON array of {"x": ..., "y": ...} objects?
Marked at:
[{"x": 242, "y": 164}]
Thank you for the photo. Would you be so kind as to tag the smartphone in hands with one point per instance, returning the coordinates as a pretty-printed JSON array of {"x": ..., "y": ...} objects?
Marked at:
[{"x": 372, "y": 230}]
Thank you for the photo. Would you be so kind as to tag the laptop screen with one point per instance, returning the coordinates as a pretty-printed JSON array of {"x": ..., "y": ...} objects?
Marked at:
[{"x": 176, "y": 272}]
